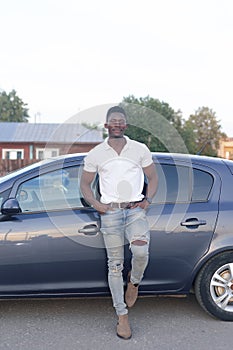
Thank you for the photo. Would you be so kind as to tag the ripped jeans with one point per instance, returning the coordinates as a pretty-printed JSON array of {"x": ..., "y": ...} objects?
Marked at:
[{"x": 116, "y": 225}]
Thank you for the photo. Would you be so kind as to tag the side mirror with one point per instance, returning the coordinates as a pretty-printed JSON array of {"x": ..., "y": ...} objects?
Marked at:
[{"x": 10, "y": 207}]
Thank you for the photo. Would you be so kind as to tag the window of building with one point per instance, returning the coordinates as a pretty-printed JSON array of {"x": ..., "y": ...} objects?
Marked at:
[
  {"x": 12, "y": 153},
  {"x": 44, "y": 153},
  {"x": 31, "y": 151}
]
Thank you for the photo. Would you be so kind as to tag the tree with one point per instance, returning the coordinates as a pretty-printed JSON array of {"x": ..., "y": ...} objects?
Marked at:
[
  {"x": 163, "y": 108},
  {"x": 96, "y": 126},
  {"x": 154, "y": 123},
  {"x": 202, "y": 132},
  {"x": 12, "y": 108}
]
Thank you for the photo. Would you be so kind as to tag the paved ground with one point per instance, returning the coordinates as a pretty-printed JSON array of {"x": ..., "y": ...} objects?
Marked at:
[{"x": 68, "y": 324}]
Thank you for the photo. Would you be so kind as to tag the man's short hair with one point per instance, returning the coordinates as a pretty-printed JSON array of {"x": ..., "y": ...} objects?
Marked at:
[{"x": 115, "y": 109}]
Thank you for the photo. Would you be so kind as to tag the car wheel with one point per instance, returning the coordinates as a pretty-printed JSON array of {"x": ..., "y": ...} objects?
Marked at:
[{"x": 214, "y": 286}]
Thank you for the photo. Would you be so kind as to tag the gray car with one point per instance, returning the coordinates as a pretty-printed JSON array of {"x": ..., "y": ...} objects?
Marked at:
[{"x": 51, "y": 244}]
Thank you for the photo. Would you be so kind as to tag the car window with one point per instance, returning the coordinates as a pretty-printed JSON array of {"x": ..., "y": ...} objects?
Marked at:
[
  {"x": 182, "y": 184},
  {"x": 3, "y": 196},
  {"x": 54, "y": 190},
  {"x": 202, "y": 184}
]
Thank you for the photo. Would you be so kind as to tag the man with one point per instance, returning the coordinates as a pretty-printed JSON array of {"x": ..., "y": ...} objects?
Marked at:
[{"x": 121, "y": 164}]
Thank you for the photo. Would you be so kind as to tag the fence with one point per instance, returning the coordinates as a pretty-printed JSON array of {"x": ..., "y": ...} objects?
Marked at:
[{"x": 8, "y": 165}]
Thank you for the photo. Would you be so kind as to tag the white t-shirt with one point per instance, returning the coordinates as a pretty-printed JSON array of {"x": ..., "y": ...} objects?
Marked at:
[{"x": 121, "y": 176}]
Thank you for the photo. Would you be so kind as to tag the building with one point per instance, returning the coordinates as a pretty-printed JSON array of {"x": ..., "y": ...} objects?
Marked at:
[
  {"x": 226, "y": 148},
  {"x": 43, "y": 140}
]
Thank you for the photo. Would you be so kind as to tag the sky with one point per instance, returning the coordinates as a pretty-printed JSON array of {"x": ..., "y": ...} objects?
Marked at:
[{"x": 67, "y": 56}]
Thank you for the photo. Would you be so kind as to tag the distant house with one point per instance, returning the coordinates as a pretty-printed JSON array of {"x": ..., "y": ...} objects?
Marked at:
[
  {"x": 226, "y": 148},
  {"x": 44, "y": 140}
]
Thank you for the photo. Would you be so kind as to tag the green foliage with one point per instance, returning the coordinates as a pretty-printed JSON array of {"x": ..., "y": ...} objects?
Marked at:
[
  {"x": 90, "y": 126},
  {"x": 12, "y": 108},
  {"x": 154, "y": 123},
  {"x": 160, "y": 107},
  {"x": 157, "y": 125},
  {"x": 96, "y": 126},
  {"x": 202, "y": 132}
]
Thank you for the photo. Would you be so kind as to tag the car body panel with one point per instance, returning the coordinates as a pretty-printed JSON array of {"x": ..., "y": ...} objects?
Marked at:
[{"x": 53, "y": 254}]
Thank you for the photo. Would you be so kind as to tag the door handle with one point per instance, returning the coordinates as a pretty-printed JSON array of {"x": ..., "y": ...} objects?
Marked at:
[
  {"x": 193, "y": 223},
  {"x": 90, "y": 230}
]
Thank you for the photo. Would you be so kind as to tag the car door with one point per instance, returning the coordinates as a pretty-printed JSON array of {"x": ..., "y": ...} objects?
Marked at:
[
  {"x": 182, "y": 221},
  {"x": 55, "y": 244}
]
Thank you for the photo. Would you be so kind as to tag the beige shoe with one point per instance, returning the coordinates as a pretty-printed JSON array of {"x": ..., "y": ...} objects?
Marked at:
[
  {"x": 131, "y": 293},
  {"x": 123, "y": 327}
]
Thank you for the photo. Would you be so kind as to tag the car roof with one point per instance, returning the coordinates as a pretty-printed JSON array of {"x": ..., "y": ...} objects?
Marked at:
[{"x": 189, "y": 158}]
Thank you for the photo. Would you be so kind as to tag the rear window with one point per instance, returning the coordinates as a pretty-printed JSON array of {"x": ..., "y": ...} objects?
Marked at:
[{"x": 182, "y": 184}]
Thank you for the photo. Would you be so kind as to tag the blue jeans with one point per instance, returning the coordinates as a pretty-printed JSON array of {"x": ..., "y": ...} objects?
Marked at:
[{"x": 116, "y": 225}]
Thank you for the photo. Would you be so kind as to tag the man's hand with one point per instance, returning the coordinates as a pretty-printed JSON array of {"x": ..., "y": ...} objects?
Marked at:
[
  {"x": 101, "y": 207},
  {"x": 143, "y": 204}
]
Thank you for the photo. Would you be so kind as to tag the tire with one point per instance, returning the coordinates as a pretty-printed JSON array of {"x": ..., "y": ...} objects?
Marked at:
[{"x": 214, "y": 286}]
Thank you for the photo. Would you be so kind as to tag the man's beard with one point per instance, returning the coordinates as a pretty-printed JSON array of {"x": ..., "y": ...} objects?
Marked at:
[{"x": 117, "y": 136}]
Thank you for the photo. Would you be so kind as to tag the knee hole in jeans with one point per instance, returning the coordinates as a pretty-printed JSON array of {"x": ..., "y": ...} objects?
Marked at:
[
  {"x": 139, "y": 242},
  {"x": 115, "y": 267}
]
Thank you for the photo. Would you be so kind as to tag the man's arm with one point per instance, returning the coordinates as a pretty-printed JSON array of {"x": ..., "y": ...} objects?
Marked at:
[
  {"x": 85, "y": 184},
  {"x": 152, "y": 177}
]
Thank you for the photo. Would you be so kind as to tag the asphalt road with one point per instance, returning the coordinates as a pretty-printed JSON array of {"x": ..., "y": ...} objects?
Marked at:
[{"x": 68, "y": 324}]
